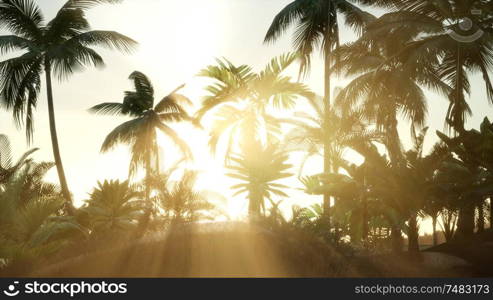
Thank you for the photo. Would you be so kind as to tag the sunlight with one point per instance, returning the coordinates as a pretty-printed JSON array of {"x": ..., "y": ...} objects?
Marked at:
[
  {"x": 212, "y": 174},
  {"x": 180, "y": 138}
]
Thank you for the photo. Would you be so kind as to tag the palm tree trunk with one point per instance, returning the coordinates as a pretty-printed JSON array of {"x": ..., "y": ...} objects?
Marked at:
[
  {"x": 327, "y": 164},
  {"x": 481, "y": 217},
  {"x": 144, "y": 221},
  {"x": 434, "y": 225},
  {"x": 412, "y": 235},
  {"x": 491, "y": 212},
  {"x": 254, "y": 205},
  {"x": 465, "y": 223},
  {"x": 365, "y": 218},
  {"x": 394, "y": 142},
  {"x": 54, "y": 141},
  {"x": 158, "y": 163},
  {"x": 148, "y": 184},
  {"x": 396, "y": 239}
]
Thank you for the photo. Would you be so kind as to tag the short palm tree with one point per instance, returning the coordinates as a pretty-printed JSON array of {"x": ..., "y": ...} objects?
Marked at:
[
  {"x": 31, "y": 222},
  {"x": 180, "y": 200},
  {"x": 113, "y": 206},
  {"x": 259, "y": 168},
  {"x": 59, "y": 47},
  {"x": 140, "y": 133},
  {"x": 317, "y": 26},
  {"x": 241, "y": 98},
  {"x": 7, "y": 165}
]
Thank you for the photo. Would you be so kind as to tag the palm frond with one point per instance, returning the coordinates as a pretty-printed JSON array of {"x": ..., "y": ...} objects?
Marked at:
[
  {"x": 22, "y": 17},
  {"x": 185, "y": 149},
  {"x": 107, "y": 108}
]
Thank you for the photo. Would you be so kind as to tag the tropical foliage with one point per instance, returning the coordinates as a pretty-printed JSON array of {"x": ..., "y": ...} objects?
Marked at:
[{"x": 379, "y": 189}]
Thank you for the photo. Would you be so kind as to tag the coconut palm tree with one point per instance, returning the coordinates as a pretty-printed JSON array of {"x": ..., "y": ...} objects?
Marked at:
[
  {"x": 140, "y": 133},
  {"x": 259, "y": 168},
  {"x": 452, "y": 36},
  {"x": 317, "y": 26},
  {"x": 240, "y": 100},
  {"x": 58, "y": 47}
]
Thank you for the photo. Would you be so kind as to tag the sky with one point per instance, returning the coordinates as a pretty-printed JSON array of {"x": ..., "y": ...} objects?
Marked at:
[{"x": 177, "y": 38}]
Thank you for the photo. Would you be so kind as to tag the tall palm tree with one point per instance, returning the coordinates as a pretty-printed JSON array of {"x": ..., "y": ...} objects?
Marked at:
[
  {"x": 58, "y": 47},
  {"x": 259, "y": 168},
  {"x": 240, "y": 100},
  {"x": 439, "y": 35},
  {"x": 141, "y": 132},
  {"x": 317, "y": 26}
]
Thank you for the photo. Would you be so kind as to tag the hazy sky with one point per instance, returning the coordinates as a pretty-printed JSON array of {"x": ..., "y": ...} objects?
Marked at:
[{"x": 177, "y": 38}]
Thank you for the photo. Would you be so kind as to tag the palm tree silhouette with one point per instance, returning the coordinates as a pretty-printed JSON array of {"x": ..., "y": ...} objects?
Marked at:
[
  {"x": 141, "y": 132},
  {"x": 240, "y": 99},
  {"x": 317, "y": 26},
  {"x": 259, "y": 168},
  {"x": 180, "y": 200},
  {"x": 341, "y": 128},
  {"x": 382, "y": 91},
  {"x": 8, "y": 167},
  {"x": 59, "y": 47},
  {"x": 113, "y": 206},
  {"x": 430, "y": 28}
]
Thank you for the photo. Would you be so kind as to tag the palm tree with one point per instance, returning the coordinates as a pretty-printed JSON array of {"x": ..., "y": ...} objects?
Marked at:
[
  {"x": 180, "y": 200},
  {"x": 141, "y": 132},
  {"x": 59, "y": 47},
  {"x": 317, "y": 26},
  {"x": 468, "y": 175},
  {"x": 31, "y": 222},
  {"x": 113, "y": 206},
  {"x": 437, "y": 35},
  {"x": 341, "y": 128},
  {"x": 382, "y": 90},
  {"x": 422, "y": 171},
  {"x": 7, "y": 166},
  {"x": 352, "y": 189},
  {"x": 259, "y": 168},
  {"x": 241, "y": 98}
]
